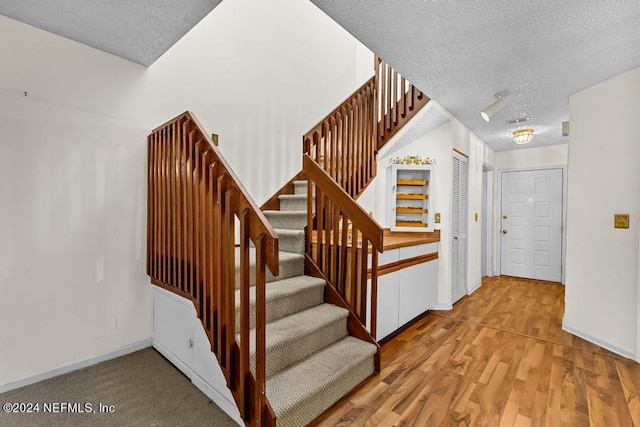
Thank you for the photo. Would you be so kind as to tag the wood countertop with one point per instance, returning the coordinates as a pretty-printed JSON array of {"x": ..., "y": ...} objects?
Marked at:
[{"x": 401, "y": 239}]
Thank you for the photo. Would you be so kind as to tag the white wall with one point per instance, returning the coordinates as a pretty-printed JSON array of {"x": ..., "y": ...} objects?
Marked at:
[
  {"x": 73, "y": 156},
  {"x": 439, "y": 144},
  {"x": 553, "y": 155},
  {"x": 604, "y": 179}
]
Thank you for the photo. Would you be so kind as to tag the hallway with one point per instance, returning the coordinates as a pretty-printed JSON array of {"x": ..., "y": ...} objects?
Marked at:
[{"x": 499, "y": 358}]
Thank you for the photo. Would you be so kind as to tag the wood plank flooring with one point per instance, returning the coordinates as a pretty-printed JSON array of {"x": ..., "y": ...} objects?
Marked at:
[{"x": 499, "y": 358}]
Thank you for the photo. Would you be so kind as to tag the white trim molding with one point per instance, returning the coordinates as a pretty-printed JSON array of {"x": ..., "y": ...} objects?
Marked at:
[
  {"x": 74, "y": 366},
  {"x": 622, "y": 352}
]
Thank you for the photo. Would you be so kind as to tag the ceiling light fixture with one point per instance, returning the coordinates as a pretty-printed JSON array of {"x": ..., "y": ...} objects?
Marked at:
[
  {"x": 522, "y": 136},
  {"x": 496, "y": 108}
]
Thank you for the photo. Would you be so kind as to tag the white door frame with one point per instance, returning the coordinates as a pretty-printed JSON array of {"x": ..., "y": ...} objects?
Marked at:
[
  {"x": 563, "y": 233},
  {"x": 488, "y": 199}
]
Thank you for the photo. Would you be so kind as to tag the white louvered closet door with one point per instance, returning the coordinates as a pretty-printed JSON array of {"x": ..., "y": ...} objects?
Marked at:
[{"x": 460, "y": 224}]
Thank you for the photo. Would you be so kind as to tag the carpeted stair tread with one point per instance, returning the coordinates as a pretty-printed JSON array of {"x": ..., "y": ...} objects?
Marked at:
[
  {"x": 285, "y": 297},
  {"x": 290, "y": 220},
  {"x": 293, "y": 202},
  {"x": 305, "y": 390},
  {"x": 295, "y": 337},
  {"x": 291, "y": 265},
  {"x": 290, "y": 240}
]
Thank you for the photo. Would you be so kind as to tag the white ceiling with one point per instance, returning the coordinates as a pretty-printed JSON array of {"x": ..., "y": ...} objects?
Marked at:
[
  {"x": 461, "y": 52},
  {"x": 137, "y": 30}
]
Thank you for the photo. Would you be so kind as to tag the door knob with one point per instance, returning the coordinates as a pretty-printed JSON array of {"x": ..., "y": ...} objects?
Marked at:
[
  {"x": 504, "y": 231},
  {"x": 504, "y": 217}
]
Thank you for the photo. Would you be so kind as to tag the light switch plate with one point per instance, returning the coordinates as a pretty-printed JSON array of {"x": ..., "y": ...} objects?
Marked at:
[
  {"x": 214, "y": 139},
  {"x": 621, "y": 221},
  {"x": 437, "y": 218}
]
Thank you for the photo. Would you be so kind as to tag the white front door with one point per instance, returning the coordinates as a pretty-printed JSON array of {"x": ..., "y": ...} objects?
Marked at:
[{"x": 531, "y": 221}]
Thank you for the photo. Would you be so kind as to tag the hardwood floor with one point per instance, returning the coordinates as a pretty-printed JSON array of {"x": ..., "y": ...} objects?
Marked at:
[{"x": 499, "y": 358}]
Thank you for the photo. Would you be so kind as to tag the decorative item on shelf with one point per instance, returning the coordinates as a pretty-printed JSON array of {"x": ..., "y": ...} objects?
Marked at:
[
  {"x": 522, "y": 136},
  {"x": 412, "y": 160}
]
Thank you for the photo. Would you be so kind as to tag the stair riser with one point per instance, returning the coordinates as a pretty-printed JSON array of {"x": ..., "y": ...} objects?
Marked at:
[
  {"x": 288, "y": 221},
  {"x": 293, "y": 204},
  {"x": 288, "y": 268},
  {"x": 285, "y": 306},
  {"x": 293, "y": 244},
  {"x": 303, "y": 413},
  {"x": 286, "y": 354},
  {"x": 300, "y": 187}
]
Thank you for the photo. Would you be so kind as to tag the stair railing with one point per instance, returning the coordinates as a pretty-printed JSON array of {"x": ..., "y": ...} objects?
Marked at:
[
  {"x": 195, "y": 203},
  {"x": 342, "y": 245},
  {"x": 344, "y": 142},
  {"x": 397, "y": 101}
]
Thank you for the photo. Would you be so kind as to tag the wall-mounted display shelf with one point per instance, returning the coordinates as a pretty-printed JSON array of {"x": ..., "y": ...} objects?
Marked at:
[{"x": 407, "y": 197}]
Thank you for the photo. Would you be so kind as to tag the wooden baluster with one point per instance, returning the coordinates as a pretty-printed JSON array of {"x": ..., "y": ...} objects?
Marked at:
[
  {"x": 327, "y": 153},
  {"x": 345, "y": 147},
  {"x": 178, "y": 205},
  {"x": 394, "y": 104},
  {"x": 363, "y": 280},
  {"x": 403, "y": 97},
  {"x": 353, "y": 283},
  {"x": 219, "y": 215},
  {"x": 320, "y": 227},
  {"x": 335, "y": 243},
  {"x": 196, "y": 225},
  {"x": 190, "y": 265},
  {"x": 374, "y": 293},
  {"x": 152, "y": 196},
  {"x": 204, "y": 273},
  {"x": 164, "y": 276},
  {"x": 389, "y": 102},
  {"x": 260, "y": 327},
  {"x": 326, "y": 217},
  {"x": 342, "y": 280},
  {"x": 334, "y": 148},
  {"x": 211, "y": 224},
  {"x": 173, "y": 226},
  {"x": 185, "y": 205},
  {"x": 229, "y": 283},
  {"x": 245, "y": 373}
]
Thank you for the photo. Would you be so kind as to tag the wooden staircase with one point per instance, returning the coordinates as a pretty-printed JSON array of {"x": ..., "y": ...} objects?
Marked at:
[{"x": 290, "y": 307}]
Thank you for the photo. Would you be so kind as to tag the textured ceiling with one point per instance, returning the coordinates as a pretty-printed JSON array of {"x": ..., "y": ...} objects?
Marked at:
[
  {"x": 462, "y": 52},
  {"x": 138, "y": 30}
]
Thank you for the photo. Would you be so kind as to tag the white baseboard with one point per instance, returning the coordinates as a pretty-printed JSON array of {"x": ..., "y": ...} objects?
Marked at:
[
  {"x": 65, "y": 369},
  {"x": 598, "y": 341},
  {"x": 443, "y": 306},
  {"x": 231, "y": 409},
  {"x": 474, "y": 288}
]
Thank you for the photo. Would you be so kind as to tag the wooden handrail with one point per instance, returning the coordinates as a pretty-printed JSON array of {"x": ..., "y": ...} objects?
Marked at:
[
  {"x": 342, "y": 241},
  {"x": 195, "y": 202}
]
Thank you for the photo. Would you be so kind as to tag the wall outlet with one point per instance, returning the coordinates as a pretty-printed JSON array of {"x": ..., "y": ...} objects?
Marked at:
[
  {"x": 437, "y": 218},
  {"x": 214, "y": 138}
]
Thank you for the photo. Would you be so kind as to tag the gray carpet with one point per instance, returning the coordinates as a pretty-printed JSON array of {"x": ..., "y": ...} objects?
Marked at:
[{"x": 143, "y": 387}]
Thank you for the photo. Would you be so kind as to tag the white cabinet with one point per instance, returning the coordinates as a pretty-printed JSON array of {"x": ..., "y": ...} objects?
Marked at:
[
  {"x": 407, "y": 198},
  {"x": 408, "y": 292},
  {"x": 416, "y": 290}
]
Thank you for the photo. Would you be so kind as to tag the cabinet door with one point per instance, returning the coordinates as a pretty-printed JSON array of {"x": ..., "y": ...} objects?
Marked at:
[
  {"x": 387, "y": 304},
  {"x": 173, "y": 325},
  {"x": 418, "y": 290}
]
